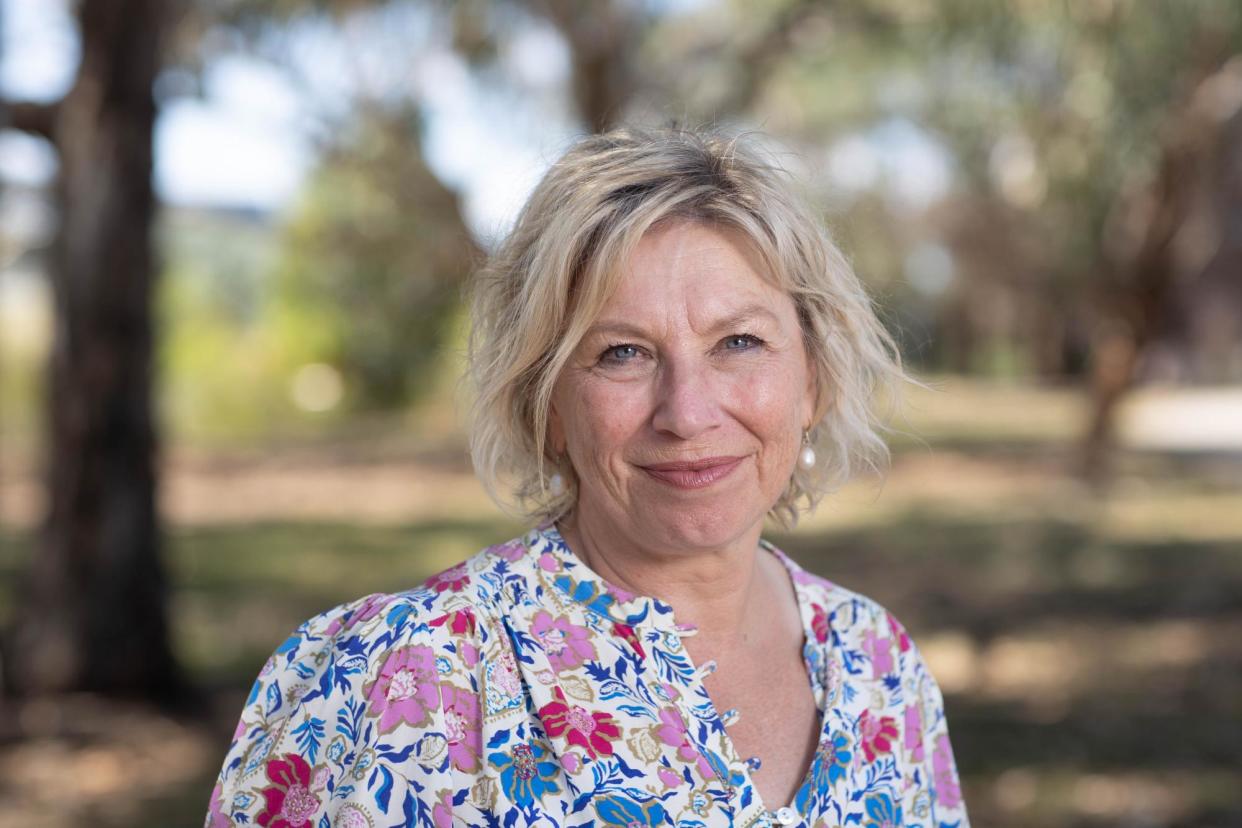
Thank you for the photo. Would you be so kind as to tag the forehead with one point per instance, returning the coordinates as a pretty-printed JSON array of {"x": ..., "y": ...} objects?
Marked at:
[{"x": 695, "y": 268}]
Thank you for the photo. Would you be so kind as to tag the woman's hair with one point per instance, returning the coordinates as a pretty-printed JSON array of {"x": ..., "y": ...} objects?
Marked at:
[{"x": 535, "y": 298}]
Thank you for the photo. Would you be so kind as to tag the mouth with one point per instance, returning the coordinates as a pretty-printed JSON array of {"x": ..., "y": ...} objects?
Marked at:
[{"x": 693, "y": 474}]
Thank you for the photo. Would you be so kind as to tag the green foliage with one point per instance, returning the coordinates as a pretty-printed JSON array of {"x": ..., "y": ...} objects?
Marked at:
[
  {"x": 1055, "y": 115},
  {"x": 347, "y": 307},
  {"x": 373, "y": 263},
  {"x": 228, "y": 353}
]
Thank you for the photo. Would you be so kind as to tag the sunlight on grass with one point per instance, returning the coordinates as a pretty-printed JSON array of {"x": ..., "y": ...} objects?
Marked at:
[
  {"x": 963, "y": 409},
  {"x": 244, "y": 588},
  {"x": 1086, "y": 643}
]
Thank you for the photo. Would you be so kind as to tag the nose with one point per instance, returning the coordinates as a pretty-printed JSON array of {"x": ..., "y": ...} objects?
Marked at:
[{"x": 686, "y": 402}]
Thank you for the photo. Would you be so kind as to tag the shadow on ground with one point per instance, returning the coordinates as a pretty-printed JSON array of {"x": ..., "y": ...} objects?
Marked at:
[{"x": 1089, "y": 682}]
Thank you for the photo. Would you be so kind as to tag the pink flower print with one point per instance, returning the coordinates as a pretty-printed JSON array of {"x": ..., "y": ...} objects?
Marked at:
[
  {"x": 511, "y": 551},
  {"x": 442, "y": 811},
  {"x": 803, "y": 577},
  {"x": 406, "y": 689},
  {"x": 288, "y": 801},
  {"x": 506, "y": 675},
  {"x": 670, "y": 779},
  {"x": 876, "y": 735},
  {"x": 819, "y": 623},
  {"x": 459, "y": 621},
  {"x": 454, "y": 579},
  {"x": 880, "y": 651},
  {"x": 462, "y": 727},
  {"x": 216, "y": 818},
  {"x": 592, "y": 731},
  {"x": 672, "y": 732},
  {"x": 370, "y": 607},
  {"x": 351, "y": 816},
  {"x": 627, "y": 632},
  {"x": 623, "y": 595},
  {"x": 504, "y": 685},
  {"x": 899, "y": 633},
  {"x": 567, "y": 645},
  {"x": 914, "y": 733},
  {"x": 948, "y": 790}
]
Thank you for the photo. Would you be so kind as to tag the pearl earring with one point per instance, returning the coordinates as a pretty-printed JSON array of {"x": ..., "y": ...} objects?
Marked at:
[
  {"x": 556, "y": 484},
  {"x": 807, "y": 458}
]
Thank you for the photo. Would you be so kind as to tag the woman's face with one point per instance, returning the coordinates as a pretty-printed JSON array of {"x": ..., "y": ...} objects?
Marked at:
[{"x": 682, "y": 409}]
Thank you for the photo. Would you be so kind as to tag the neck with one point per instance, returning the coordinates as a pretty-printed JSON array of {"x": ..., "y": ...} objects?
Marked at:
[{"x": 717, "y": 589}]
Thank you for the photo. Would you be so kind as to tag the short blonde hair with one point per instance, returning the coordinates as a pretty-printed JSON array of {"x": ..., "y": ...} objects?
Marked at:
[{"x": 552, "y": 275}]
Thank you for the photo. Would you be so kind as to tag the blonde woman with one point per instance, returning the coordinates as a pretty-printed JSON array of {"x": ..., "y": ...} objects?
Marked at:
[{"x": 667, "y": 350}]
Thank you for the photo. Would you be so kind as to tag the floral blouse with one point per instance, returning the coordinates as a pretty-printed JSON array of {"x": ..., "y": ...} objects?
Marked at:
[{"x": 518, "y": 688}]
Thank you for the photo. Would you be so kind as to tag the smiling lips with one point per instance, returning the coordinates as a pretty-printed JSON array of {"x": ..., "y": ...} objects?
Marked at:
[{"x": 693, "y": 474}]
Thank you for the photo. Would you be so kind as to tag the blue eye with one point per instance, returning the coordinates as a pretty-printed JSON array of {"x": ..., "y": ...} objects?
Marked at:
[
  {"x": 741, "y": 342},
  {"x": 619, "y": 353}
]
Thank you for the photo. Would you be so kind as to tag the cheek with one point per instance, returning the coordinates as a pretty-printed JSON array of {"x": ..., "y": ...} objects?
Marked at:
[
  {"x": 606, "y": 416},
  {"x": 772, "y": 401}
]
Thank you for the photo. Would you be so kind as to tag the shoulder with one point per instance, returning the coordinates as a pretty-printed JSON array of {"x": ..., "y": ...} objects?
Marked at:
[
  {"x": 856, "y": 625},
  {"x": 377, "y": 657},
  {"x": 449, "y": 608}
]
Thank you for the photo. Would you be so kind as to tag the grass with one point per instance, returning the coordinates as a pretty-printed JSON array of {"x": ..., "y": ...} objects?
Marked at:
[
  {"x": 242, "y": 589},
  {"x": 1088, "y": 646},
  {"x": 1084, "y": 676}
]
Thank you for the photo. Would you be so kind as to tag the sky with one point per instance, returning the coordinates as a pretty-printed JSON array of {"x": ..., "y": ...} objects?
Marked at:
[
  {"x": 244, "y": 142},
  {"x": 236, "y": 147}
]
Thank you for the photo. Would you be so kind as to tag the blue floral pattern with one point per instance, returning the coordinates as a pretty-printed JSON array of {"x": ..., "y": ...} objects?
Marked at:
[{"x": 519, "y": 688}]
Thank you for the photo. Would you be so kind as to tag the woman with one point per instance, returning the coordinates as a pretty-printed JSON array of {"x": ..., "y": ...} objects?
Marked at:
[{"x": 667, "y": 349}]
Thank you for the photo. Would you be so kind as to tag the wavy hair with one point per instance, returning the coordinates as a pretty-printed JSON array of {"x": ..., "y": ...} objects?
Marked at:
[{"x": 549, "y": 279}]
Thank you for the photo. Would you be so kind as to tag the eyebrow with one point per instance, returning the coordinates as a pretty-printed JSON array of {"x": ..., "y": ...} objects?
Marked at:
[{"x": 738, "y": 318}]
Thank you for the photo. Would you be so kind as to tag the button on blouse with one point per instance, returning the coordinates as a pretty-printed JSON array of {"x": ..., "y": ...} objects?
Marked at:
[{"x": 518, "y": 688}]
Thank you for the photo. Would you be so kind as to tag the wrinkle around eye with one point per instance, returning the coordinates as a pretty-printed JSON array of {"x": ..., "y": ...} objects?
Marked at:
[
  {"x": 608, "y": 359},
  {"x": 750, "y": 342}
]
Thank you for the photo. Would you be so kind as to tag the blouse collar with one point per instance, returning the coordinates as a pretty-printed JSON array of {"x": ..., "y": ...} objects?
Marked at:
[
  {"x": 571, "y": 577},
  {"x": 567, "y": 572}
]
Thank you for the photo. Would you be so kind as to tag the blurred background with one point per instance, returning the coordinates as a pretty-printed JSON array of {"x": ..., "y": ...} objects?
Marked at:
[{"x": 233, "y": 238}]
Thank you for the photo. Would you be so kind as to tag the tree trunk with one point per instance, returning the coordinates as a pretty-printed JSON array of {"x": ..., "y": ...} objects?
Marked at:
[
  {"x": 95, "y": 601},
  {"x": 1145, "y": 254}
]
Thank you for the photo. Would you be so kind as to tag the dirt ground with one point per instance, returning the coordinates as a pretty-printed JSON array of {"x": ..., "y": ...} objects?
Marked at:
[{"x": 1089, "y": 646}]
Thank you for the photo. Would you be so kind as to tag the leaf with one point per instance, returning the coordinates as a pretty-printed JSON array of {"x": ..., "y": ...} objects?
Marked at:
[
  {"x": 385, "y": 790},
  {"x": 578, "y": 688},
  {"x": 430, "y": 748},
  {"x": 309, "y": 735},
  {"x": 273, "y": 698}
]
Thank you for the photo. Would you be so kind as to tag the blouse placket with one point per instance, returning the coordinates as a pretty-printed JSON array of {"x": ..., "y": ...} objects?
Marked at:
[{"x": 656, "y": 622}]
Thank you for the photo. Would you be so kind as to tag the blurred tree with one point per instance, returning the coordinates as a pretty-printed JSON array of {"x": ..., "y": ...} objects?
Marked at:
[
  {"x": 375, "y": 255},
  {"x": 1072, "y": 131},
  {"x": 603, "y": 43},
  {"x": 93, "y": 614},
  {"x": 1075, "y": 126},
  {"x": 1173, "y": 235},
  {"x": 377, "y": 251}
]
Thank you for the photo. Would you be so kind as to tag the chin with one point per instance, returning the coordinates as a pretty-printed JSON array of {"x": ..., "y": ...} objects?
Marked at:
[{"x": 695, "y": 526}]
